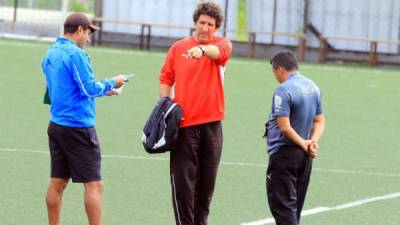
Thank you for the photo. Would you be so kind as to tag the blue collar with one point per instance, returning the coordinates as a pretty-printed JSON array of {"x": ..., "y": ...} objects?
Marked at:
[
  {"x": 65, "y": 40},
  {"x": 294, "y": 74}
]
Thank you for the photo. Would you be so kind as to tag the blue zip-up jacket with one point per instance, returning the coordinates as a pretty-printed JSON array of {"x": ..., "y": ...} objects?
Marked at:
[{"x": 71, "y": 84}]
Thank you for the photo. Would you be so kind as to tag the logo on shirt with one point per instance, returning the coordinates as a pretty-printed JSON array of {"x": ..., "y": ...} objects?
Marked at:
[
  {"x": 278, "y": 103},
  {"x": 306, "y": 89}
]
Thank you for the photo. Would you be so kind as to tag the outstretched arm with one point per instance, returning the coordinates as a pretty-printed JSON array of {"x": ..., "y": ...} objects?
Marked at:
[{"x": 220, "y": 51}]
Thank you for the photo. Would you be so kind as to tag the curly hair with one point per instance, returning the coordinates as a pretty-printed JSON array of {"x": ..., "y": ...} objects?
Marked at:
[{"x": 211, "y": 9}]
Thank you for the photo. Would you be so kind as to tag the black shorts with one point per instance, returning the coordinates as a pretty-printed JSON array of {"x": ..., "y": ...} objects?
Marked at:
[{"x": 75, "y": 153}]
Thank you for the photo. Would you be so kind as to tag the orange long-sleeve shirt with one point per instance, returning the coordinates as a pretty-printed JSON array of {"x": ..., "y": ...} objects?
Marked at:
[{"x": 197, "y": 83}]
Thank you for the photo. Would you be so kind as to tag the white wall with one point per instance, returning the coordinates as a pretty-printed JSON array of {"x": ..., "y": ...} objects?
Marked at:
[
  {"x": 289, "y": 17},
  {"x": 373, "y": 19},
  {"x": 172, "y": 12}
]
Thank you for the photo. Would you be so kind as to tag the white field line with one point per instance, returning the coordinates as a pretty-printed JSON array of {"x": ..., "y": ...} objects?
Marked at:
[
  {"x": 243, "y": 164},
  {"x": 23, "y": 37},
  {"x": 34, "y": 16},
  {"x": 327, "y": 209},
  {"x": 103, "y": 155}
]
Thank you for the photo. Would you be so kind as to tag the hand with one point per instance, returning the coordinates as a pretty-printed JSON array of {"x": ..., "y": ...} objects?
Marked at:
[
  {"x": 120, "y": 79},
  {"x": 305, "y": 145},
  {"x": 312, "y": 149},
  {"x": 195, "y": 52},
  {"x": 111, "y": 93}
]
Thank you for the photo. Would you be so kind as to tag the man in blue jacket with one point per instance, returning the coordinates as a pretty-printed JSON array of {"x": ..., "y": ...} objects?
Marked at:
[{"x": 73, "y": 143}]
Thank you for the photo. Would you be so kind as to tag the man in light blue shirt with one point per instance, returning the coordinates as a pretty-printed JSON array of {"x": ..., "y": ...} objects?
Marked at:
[
  {"x": 73, "y": 143},
  {"x": 294, "y": 126}
]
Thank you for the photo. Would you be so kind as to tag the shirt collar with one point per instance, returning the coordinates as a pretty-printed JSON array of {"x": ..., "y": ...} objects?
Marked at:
[
  {"x": 294, "y": 74},
  {"x": 65, "y": 40},
  {"x": 203, "y": 43}
]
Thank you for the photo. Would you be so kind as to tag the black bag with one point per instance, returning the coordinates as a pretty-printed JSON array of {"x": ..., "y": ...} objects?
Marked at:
[
  {"x": 160, "y": 132},
  {"x": 46, "y": 97}
]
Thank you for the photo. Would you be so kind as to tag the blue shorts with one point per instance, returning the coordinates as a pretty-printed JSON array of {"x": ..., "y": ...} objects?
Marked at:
[{"x": 74, "y": 153}]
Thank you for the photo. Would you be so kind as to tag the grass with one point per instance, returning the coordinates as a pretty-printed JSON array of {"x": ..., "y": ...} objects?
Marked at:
[{"x": 358, "y": 156}]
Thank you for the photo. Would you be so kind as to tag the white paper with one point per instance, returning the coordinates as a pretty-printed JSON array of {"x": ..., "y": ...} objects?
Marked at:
[{"x": 129, "y": 76}]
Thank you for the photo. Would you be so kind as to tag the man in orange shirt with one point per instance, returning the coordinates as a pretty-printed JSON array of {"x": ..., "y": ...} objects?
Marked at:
[{"x": 194, "y": 72}]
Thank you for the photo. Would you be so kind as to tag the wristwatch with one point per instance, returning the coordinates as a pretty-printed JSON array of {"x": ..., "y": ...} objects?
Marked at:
[{"x": 202, "y": 49}]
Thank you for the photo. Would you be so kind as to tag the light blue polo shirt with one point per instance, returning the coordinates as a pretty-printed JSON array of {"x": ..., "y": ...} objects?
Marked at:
[
  {"x": 298, "y": 98},
  {"x": 72, "y": 85}
]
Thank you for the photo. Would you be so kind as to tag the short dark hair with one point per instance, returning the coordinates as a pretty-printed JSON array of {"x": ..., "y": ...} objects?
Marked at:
[
  {"x": 72, "y": 29},
  {"x": 211, "y": 9},
  {"x": 286, "y": 59}
]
